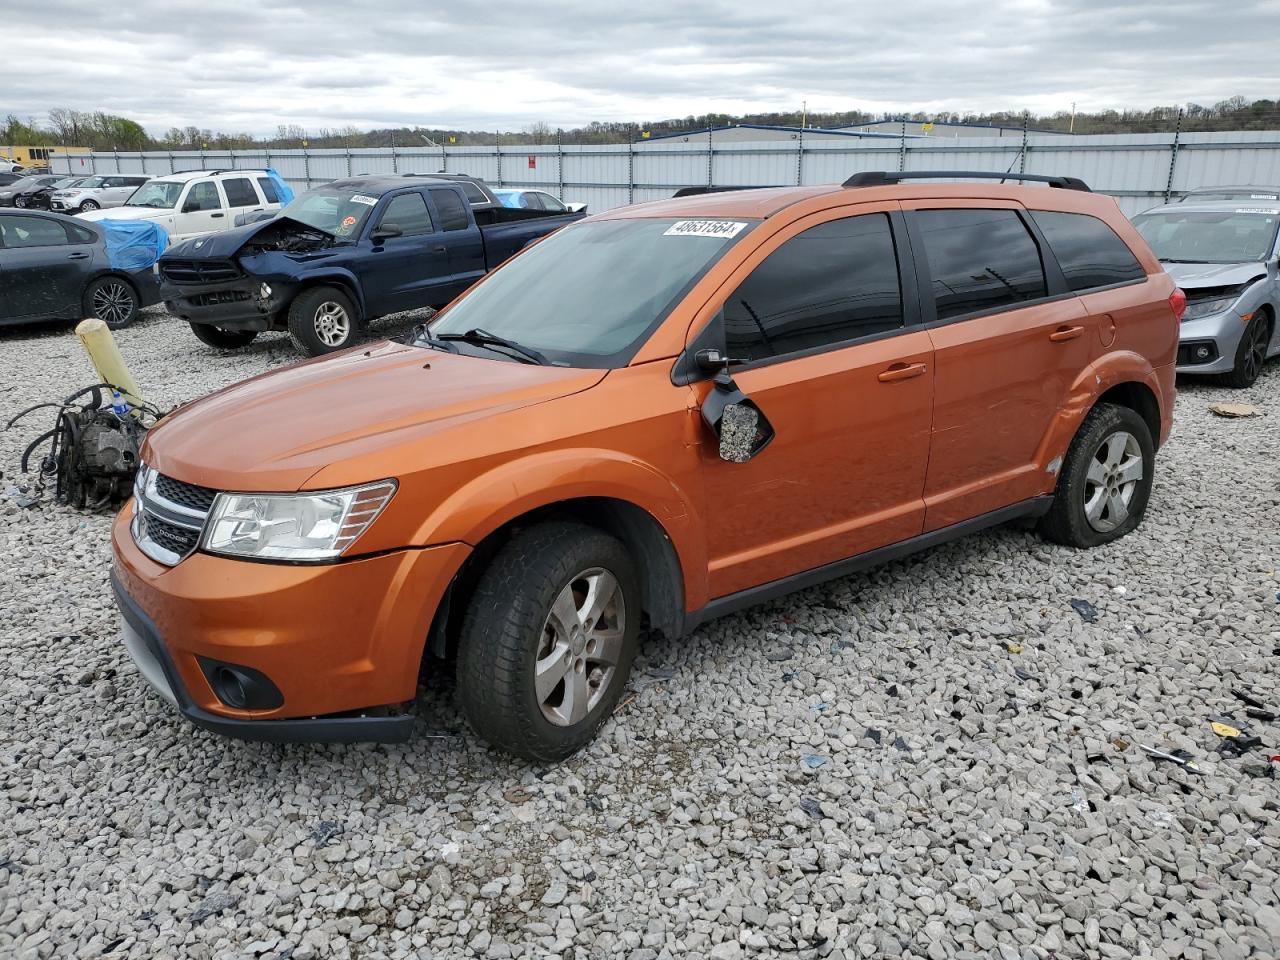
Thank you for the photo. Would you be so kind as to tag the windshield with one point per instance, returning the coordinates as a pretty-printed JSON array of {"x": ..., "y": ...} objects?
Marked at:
[
  {"x": 1202, "y": 236},
  {"x": 161, "y": 194},
  {"x": 588, "y": 295},
  {"x": 340, "y": 212},
  {"x": 91, "y": 182}
]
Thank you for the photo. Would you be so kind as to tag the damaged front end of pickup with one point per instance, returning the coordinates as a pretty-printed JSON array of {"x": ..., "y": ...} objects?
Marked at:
[{"x": 242, "y": 280}]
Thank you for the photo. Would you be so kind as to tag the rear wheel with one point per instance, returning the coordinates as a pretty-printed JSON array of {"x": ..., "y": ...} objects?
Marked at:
[
  {"x": 111, "y": 300},
  {"x": 548, "y": 640},
  {"x": 223, "y": 339},
  {"x": 322, "y": 320},
  {"x": 87, "y": 205},
  {"x": 1105, "y": 481},
  {"x": 1251, "y": 354}
]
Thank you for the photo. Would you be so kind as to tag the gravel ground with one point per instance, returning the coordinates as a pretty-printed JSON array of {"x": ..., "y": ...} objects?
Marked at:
[{"x": 935, "y": 759}]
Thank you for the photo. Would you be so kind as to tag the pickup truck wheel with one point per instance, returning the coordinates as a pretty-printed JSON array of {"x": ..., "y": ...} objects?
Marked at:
[
  {"x": 223, "y": 339},
  {"x": 548, "y": 640},
  {"x": 1105, "y": 481},
  {"x": 322, "y": 320},
  {"x": 112, "y": 300}
]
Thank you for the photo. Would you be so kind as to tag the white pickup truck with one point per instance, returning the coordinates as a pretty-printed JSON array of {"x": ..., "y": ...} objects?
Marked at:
[{"x": 197, "y": 202}]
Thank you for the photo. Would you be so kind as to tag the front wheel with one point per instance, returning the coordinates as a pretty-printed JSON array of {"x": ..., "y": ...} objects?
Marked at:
[
  {"x": 322, "y": 320},
  {"x": 223, "y": 339},
  {"x": 111, "y": 300},
  {"x": 1251, "y": 354},
  {"x": 88, "y": 205},
  {"x": 1105, "y": 481},
  {"x": 548, "y": 640}
]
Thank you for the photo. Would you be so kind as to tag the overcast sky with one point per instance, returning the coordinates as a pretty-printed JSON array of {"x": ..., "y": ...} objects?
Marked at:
[{"x": 249, "y": 66}]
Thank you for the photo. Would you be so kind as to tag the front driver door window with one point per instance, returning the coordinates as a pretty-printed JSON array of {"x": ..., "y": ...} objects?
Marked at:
[{"x": 838, "y": 366}]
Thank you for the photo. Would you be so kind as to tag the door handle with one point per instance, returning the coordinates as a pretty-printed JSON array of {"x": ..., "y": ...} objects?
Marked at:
[
  {"x": 215, "y": 215},
  {"x": 1065, "y": 333},
  {"x": 902, "y": 371},
  {"x": 77, "y": 256},
  {"x": 440, "y": 249}
]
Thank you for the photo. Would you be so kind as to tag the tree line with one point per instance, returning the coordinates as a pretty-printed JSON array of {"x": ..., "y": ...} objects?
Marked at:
[{"x": 104, "y": 131}]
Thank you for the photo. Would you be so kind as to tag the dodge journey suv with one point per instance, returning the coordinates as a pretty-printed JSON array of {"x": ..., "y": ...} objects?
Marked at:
[{"x": 656, "y": 416}]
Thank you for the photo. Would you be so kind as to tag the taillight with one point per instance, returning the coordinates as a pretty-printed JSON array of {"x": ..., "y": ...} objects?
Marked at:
[{"x": 1178, "y": 301}]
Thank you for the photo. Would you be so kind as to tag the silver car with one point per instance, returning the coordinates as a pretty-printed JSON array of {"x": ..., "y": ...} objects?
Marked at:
[
  {"x": 97, "y": 193},
  {"x": 1224, "y": 255}
]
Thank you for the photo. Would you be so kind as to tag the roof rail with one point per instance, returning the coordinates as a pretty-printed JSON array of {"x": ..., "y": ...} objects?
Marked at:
[
  {"x": 881, "y": 178},
  {"x": 699, "y": 191}
]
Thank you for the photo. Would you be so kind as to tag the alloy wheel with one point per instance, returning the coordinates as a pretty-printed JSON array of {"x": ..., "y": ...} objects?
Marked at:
[
  {"x": 1255, "y": 354},
  {"x": 1114, "y": 472},
  {"x": 333, "y": 326},
  {"x": 112, "y": 302},
  {"x": 580, "y": 647}
]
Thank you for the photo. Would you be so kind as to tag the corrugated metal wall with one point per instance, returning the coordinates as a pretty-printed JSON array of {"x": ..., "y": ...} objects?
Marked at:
[{"x": 1137, "y": 169}]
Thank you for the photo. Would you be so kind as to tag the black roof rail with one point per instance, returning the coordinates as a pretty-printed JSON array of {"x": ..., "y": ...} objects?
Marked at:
[
  {"x": 698, "y": 191},
  {"x": 882, "y": 178}
]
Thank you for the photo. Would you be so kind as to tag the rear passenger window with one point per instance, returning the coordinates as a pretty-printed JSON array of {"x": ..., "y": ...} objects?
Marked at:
[
  {"x": 835, "y": 282},
  {"x": 240, "y": 192},
  {"x": 408, "y": 212},
  {"x": 453, "y": 215},
  {"x": 268, "y": 189},
  {"x": 1089, "y": 252},
  {"x": 979, "y": 260},
  {"x": 473, "y": 191},
  {"x": 31, "y": 232}
]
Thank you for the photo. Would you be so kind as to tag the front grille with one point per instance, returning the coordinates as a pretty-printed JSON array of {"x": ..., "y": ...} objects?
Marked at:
[
  {"x": 170, "y": 517},
  {"x": 198, "y": 271},
  {"x": 168, "y": 536},
  {"x": 186, "y": 494}
]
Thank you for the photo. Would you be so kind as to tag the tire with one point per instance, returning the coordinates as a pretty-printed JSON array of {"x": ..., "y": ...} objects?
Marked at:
[
  {"x": 1107, "y": 448},
  {"x": 1251, "y": 353},
  {"x": 511, "y": 626},
  {"x": 223, "y": 339},
  {"x": 322, "y": 320},
  {"x": 87, "y": 205},
  {"x": 112, "y": 300}
]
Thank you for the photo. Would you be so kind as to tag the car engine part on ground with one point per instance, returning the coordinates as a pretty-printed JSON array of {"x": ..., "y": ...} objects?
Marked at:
[
  {"x": 1021, "y": 819},
  {"x": 90, "y": 455}
]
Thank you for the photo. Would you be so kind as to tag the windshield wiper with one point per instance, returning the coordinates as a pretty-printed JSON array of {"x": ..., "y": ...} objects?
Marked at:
[
  {"x": 421, "y": 335},
  {"x": 483, "y": 338}
]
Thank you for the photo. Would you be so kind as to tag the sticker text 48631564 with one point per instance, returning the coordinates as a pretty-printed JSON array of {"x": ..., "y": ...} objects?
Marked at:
[{"x": 704, "y": 228}]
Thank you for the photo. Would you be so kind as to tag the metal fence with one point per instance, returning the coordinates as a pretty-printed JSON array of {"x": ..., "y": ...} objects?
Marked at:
[{"x": 1140, "y": 170}]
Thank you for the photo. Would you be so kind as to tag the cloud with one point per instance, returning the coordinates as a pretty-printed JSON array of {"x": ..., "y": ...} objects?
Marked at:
[{"x": 501, "y": 65}]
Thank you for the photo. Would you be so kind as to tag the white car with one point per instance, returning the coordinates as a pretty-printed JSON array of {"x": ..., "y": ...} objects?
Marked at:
[
  {"x": 97, "y": 192},
  {"x": 197, "y": 202}
]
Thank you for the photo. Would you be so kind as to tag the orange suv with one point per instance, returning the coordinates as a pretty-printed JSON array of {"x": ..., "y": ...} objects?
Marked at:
[{"x": 656, "y": 416}]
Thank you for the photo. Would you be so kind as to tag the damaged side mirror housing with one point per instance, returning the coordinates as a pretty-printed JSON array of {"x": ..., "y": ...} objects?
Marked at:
[{"x": 742, "y": 429}]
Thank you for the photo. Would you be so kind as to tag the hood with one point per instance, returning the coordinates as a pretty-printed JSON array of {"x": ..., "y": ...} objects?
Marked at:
[
  {"x": 1190, "y": 276},
  {"x": 276, "y": 431},
  {"x": 224, "y": 243},
  {"x": 126, "y": 213}
]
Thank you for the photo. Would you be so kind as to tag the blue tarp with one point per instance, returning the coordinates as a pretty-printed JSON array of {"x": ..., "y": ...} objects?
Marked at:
[
  {"x": 133, "y": 244},
  {"x": 283, "y": 189}
]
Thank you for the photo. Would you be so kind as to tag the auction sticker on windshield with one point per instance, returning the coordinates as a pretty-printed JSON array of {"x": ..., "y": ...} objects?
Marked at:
[
  {"x": 367, "y": 201},
  {"x": 704, "y": 228}
]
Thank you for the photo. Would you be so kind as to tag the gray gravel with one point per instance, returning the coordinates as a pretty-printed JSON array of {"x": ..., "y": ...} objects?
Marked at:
[{"x": 935, "y": 759}]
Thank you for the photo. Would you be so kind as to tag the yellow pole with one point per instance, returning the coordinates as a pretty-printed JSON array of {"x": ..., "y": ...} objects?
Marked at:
[{"x": 107, "y": 361}]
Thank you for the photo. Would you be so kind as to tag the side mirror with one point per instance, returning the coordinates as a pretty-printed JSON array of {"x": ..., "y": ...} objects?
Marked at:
[
  {"x": 740, "y": 426},
  {"x": 386, "y": 231}
]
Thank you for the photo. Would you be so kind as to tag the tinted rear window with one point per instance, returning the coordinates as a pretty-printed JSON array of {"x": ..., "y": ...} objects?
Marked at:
[
  {"x": 239, "y": 192},
  {"x": 453, "y": 215},
  {"x": 1089, "y": 252},
  {"x": 979, "y": 260}
]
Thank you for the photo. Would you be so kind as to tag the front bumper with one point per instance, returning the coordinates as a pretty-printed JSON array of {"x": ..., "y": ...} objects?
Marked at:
[
  {"x": 1220, "y": 332},
  {"x": 339, "y": 641},
  {"x": 230, "y": 304}
]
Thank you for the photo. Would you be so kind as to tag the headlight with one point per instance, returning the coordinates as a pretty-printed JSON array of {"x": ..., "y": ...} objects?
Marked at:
[
  {"x": 302, "y": 527},
  {"x": 1206, "y": 308}
]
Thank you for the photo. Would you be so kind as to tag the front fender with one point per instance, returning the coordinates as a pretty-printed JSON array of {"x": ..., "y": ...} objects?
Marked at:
[
  {"x": 517, "y": 487},
  {"x": 1113, "y": 369}
]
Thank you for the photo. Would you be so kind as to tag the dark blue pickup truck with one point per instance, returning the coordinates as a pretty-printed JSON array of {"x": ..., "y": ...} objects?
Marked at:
[{"x": 343, "y": 254}]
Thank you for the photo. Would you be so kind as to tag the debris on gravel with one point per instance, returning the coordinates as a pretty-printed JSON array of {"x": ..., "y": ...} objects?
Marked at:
[{"x": 982, "y": 784}]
